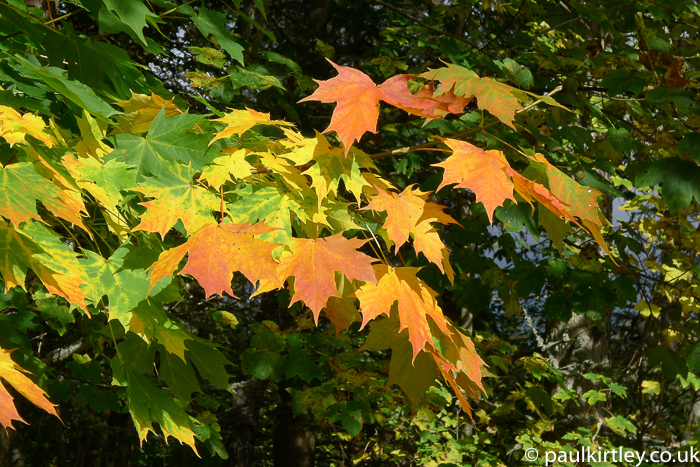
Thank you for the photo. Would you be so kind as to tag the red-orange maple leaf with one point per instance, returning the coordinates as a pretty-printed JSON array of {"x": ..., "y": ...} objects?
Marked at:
[
  {"x": 481, "y": 171},
  {"x": 313, "y": 263},
  {"x": 423, "y": 103},
  {"x": 416, "y": 301},
  {"x": 216, "y": 251},
  {"x": 358, "y": 103}
]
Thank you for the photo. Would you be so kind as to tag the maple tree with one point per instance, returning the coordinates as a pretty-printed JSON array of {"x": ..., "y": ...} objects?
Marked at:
[{"x": 123, "y": 205}]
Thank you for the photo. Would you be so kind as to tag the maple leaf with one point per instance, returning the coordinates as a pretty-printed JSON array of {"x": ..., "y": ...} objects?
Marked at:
[
  {"x": 423, "y": 103},
  {"x": 141, "y": 110},
  {"x": 414, "y": 375},
  {"x": 35, "y": 247},
  {"x": 216, "y": 251},
  {"x": 149, "y": 321},
  {"x": 20, "y": 188},
  {"x": 69, "y": 203},
  {"x": 92, "y": 133},
  {"x": 14, "y": 375},
  {"x": 490, "y": 95},
  {"x": 415, "y": 300},
  {"x": 581, "y": 201},
  {"x": 149, "y": 404},
  {"x": 332, "y": 165},
  {"x": 409, "y": 212},
  {"x": 176, "y": 197},
  {"x": 313, "y": 263},
  {"x": 273, "y": 205},
  {"x": 14, "y": 127},
  {"x": 239, "y": 121},
  {"x": 104, "y": 181},
  {"x": 121, "y": 278},
  {"x": 358, "y": 103},
  {"x": 168, "y": 140},
  {"x": 530, "y": 190},
  {"x": 481, "y": 171},
  {"x": 223, "y": 167},
  {"x": 341, "y": 311}
]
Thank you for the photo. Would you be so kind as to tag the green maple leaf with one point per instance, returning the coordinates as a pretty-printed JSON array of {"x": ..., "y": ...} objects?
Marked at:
[
  {"x": 137, "y": 353},
  {"x": 149, "y": 320},
  {"x": 179, "y": 376},
  {"x": 20, "y": 188},
  {"x": 132, "y": 13},
  {"x": 123, "y": 285},
  {"x": 209, "y": 362},
  {"x": 168, "y": 139},
  {"x": 678, "y": 179},
  {"x": 149, "y": 404},
  {"x": 110, "y": 179},
  {"x": 413, "y": 376},
  {"x": 212, "y": 23}
]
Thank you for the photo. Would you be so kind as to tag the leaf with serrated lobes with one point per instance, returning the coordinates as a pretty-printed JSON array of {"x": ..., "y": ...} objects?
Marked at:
[
  {"x": 416, "y": 301},
  {"x": 491, "y": 95},
  {"x": 12, "y": 373},
  {"x": 358, "y": 103},
  {"x": 481, "y": 171},
  {"x": 313, "y": 263},
  {"x": 216, "y": 251}
]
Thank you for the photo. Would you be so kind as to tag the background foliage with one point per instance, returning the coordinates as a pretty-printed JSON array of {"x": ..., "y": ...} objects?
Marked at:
[{"x": 118, "y": 118}]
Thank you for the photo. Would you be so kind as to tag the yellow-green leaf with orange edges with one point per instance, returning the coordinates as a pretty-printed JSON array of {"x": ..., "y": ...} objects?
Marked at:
[
  {"x": 20, "y": 188},
  {"x": 177, "y": 197},
  {"x": 14, "y": 127}
]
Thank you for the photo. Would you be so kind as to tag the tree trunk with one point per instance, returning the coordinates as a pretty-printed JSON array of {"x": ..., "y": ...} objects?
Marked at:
[{"x": 294, "y": 442}]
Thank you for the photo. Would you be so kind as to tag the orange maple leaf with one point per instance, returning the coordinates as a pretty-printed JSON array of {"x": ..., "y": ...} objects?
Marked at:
[
  {"x": 216, "y": 251},
  {"x": 13, "y": 374},
  {"x": 423, "y": 103},
  {"x": 481, "y": 171},
  {"x": 416, "y": 301},
  {"x": 530, "y": 190},
  {"x": 313, "y": 263},
  {"x": 409, "y": 212},
  {"x": 405, "y": 211},
  {"x": 358, "y": 103}
]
